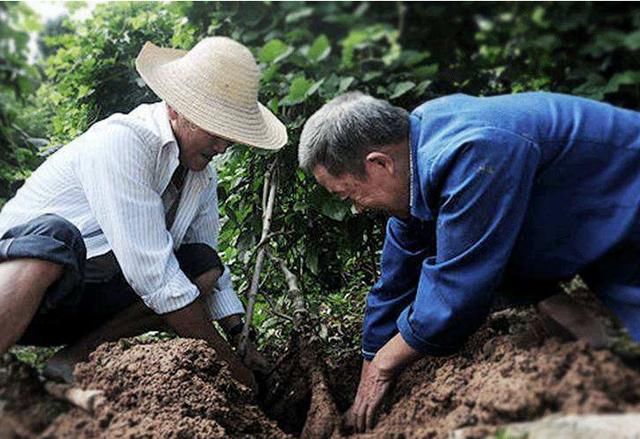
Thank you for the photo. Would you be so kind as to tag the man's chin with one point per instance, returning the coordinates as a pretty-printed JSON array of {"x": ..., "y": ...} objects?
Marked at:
[{"x": 200, "y": 166}]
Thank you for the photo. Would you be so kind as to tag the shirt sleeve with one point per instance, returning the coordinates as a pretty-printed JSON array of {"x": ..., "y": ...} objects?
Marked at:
[
  {"x": 485, "y": 185},
  {"x": 205, "y": 229},
  {"x": 116, "y": 173},
  {"x": 407, "y": 244}
]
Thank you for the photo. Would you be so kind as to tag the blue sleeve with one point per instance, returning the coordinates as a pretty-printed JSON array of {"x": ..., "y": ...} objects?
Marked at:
[
  {"x": 483, "y": 197},
  {"x": 406, "y": 246}
]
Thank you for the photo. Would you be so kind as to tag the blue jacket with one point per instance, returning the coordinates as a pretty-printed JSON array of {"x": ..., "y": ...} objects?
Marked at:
[{"x": 532, "y": 187}]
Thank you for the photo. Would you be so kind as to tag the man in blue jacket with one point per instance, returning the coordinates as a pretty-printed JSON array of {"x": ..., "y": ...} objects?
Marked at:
[{"x": 525, "y": 189}]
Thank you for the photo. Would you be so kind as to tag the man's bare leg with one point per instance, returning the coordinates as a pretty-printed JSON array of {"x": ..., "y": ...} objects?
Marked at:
[
  {"x": 23, "y": 283},
  {"x": 135, "y": 320},
  {"x": 574, "y": 319}
]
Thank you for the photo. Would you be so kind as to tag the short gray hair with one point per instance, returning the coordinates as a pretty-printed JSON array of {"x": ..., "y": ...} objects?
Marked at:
[{"x": 340, "y": 134}]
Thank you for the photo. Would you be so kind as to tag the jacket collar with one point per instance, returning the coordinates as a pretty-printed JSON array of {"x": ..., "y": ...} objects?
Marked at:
[{"x": 419, "y": 176}]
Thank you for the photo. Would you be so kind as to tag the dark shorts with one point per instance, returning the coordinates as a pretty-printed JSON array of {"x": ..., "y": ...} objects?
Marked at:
[{"x": 72, "y": 307}]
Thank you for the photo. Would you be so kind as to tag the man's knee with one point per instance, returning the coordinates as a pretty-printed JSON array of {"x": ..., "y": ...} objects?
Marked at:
[
  {"x": 44, "y": 234},
  {"x": 44, "y": 261},
  {"x": 64, "y": 231}
]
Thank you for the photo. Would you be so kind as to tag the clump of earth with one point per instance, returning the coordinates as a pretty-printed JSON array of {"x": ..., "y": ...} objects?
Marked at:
[
  {"x": 496, "y": 382},
  {"x": 508, "y": 372},
  {"x": 170, "y": 389}
]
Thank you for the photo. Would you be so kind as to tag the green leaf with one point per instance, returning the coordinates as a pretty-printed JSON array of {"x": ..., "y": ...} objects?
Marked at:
[
  {"x": 297, "y": 91},
  {"x": 298, "y": 15},
  {"x": 538, "y": 17},
  {"x": 393, "y": 54},
  {"x": 605, "y": 42},
  {"x": 269, "y": 73},
  {"x": 426, "y": 72},
  {"x": 316, "y": 85},
  {"x": 350, "y": 43},
  {"x": 369, "y": 76},
  {"x": 632, "y": 41},
  {"x": 273, "y": 104},
  {"x": 592, "y": 88},
  {"x": 335, "y": 209},
  {"x": 312, "y": 259},
  {"x": 410, "y": 58},
  {"x": 83, "y": 91},
  {"x": 629, "y": 77},
  {"x": 596, "y": 88},
  {"x": 274, "y": 51},
  {"x": 345, "y": 83},
  {"x": 320, "y": 49},
  {"x": 422, "y": 87},
  {"x": 32, "y": 24},
  {"x": 401, "y": 88}
]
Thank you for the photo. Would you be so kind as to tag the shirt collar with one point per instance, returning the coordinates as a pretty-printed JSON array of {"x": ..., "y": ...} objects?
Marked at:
[{"x": 161, "y": 115}]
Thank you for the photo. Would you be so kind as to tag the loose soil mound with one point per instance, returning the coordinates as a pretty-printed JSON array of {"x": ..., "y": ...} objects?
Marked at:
[
  {"x": 497, "y": 380},
  {"x": 171, "y": 389},
  {"x": 510, "y": 371}
]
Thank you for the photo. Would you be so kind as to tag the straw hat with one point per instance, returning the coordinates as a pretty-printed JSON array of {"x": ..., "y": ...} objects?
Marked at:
[{"x": 215, "y": 86}]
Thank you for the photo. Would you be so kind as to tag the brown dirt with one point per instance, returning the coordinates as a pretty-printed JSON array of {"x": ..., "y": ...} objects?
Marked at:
[
  {"x": 510, "y": 371},
  {"x": 502, "y": 378},
  {"x": 25, "y": 408},
  {"x": 171, "y": 389}
]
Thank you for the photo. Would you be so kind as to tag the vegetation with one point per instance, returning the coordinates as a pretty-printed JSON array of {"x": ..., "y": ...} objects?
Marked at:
[
  {"x": 17, "y": 81},
  {"x": 310, "y": 52}
]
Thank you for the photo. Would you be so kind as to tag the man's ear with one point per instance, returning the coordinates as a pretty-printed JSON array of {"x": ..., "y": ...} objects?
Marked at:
[{"x": 378, "y": 161}]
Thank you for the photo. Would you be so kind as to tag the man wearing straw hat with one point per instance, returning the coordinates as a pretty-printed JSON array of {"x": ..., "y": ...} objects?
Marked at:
[{"x": 115, "y": 234}]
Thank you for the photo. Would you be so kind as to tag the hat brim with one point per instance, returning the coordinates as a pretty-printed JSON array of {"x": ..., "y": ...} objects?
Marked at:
[{"x": 256, "y": 126}]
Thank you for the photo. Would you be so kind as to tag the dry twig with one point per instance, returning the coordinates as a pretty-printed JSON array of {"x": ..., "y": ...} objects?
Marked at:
[
  {"x": 87, "y": 400},
  {"x": 268, "y": 202}
]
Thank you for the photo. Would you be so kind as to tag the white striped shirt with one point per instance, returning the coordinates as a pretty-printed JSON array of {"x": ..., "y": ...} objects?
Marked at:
[{"x": 109, "y": 183}]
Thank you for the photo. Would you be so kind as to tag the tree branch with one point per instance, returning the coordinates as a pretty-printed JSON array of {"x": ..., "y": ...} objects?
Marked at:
[
  {"x": 271, "y": 179},
  {"x": 402, "y": 14},
  {"x": 275, "y": 311},
  {"x": 299, "y": 305}
]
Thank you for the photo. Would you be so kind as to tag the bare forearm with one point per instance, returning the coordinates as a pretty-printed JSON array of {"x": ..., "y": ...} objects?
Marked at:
[{"x": 192, "y": 321}]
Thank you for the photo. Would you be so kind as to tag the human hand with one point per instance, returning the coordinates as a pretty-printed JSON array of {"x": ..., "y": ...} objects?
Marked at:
[
  {"x": 192, "y": 321},
  {"x": 253, "y": 359},
  {"x": 375, "y": 384},
  {"x": 242, "y": 373},
  {"x": 376, "y": 380}
]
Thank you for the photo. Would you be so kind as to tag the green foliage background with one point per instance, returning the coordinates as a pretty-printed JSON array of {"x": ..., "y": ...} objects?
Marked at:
[{"x": 309, "y": 52}]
